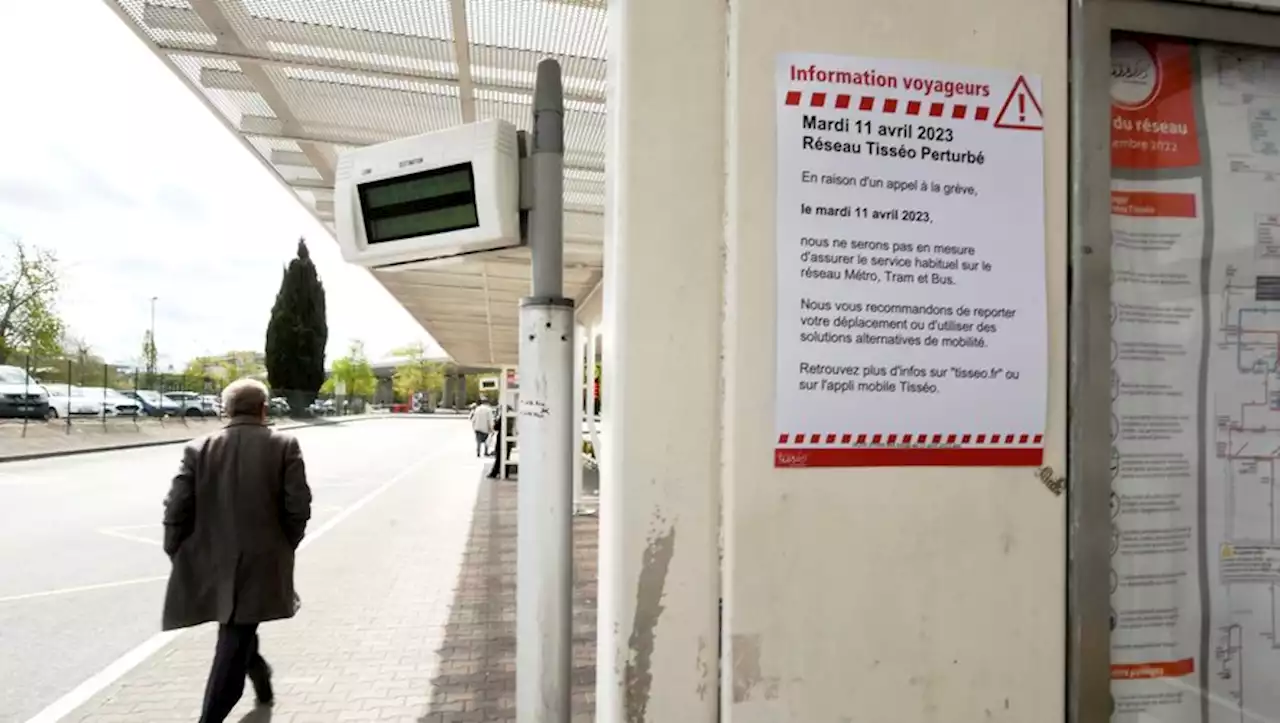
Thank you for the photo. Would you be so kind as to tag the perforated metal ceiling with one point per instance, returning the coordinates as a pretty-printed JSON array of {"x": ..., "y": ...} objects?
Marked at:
[{"x": 301, "y": 80}]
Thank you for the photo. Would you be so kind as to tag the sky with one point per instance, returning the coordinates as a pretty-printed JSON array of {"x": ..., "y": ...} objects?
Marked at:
[{"x": 110, "y": 161}]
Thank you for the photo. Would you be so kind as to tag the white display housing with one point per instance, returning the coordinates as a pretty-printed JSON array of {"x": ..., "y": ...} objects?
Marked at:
[{"x": 405, "y": 202}]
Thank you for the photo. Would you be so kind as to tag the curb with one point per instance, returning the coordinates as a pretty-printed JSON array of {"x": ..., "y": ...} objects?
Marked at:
[{"x": 162, "y": 442}]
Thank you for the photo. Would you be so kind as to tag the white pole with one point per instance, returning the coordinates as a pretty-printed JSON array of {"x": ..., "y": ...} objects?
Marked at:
[
  {"x": 544, "y": 566},
  {"x": 544, "y": 535},
  {"x": 591, "y": 392},
  {"x": 579, "y": 376}
]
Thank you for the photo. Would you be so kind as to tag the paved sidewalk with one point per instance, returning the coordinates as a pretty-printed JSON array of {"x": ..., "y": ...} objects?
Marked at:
[
  {"x": 408, "y": 615},
  {"x": 53, "y": 439}
]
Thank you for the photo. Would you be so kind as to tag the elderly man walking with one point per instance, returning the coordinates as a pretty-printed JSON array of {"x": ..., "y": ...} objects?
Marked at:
[{"x": 233, "y": 518}]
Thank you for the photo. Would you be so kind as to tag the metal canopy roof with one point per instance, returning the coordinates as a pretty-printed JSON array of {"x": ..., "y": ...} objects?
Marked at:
[{"x": 301, "y": 80}]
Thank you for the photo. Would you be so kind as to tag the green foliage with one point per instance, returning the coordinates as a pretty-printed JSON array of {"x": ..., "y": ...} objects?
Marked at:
[
  {"x": 150, "y": 356},
  {"x": 473, "y": 388},
  {"x": 355, "y": 372},
  {"x": 416, "y": 372},
  {"x": 226, "y": 368},
  {"x": 29, "y": 321},
  {"x": 298, "y": 330},
  {"x": 77, "y": 365}
]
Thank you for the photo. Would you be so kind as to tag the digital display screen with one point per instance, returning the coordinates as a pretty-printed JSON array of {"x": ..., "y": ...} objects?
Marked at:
[{"x": 419, "y": 204}]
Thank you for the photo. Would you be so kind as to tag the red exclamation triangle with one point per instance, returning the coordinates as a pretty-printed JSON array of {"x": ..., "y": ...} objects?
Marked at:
[{"x": 1030, "y": 114}]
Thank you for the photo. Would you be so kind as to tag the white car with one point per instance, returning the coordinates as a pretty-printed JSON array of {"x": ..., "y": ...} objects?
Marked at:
[
  {"x": 115, "y": 403},
  {"x": 76, "y": 401},
  {"x": 191, "y": 404}
]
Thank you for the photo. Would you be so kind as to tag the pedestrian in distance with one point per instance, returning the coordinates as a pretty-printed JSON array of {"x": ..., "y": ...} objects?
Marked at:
[
  {"x": 500, "y": 449},
  {"x": 233, "y": 519},
  {"x": 482, "y": 425}
]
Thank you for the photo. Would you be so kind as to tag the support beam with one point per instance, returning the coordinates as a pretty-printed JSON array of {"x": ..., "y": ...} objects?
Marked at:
[
  {"x": 219, "y": 79},
  {"x": 593, "y": 333},
  {"x": 488, "y": 318},
  {"x": 462, "y": 59},
  {"x": 338, "y": 41},
  {"x": 659, "y": 557},
  {"x": 579, "y": 380},
  {"x": 291, "y": 158},
  {"x": 214, "y": 17}
]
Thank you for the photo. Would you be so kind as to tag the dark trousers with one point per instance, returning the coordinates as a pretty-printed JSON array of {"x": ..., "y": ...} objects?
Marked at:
[
  {"x": 499, "y": 451},
  {"x": 235, "y": 657}
]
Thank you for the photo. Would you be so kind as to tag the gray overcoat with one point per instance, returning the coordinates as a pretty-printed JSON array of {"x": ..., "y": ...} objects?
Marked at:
[{"x": 233, "y": 518}]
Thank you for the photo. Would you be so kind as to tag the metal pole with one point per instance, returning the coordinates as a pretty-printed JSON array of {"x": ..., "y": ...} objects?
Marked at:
[
  {"x": 546, "y": 218},
  {"x": 591, "y": 394},
  {"x": 151, "y": 350},
  {"x": 26, "y": 391},
  {"x": 579, "y": 379},
  {"x": 544, "y": 568}
]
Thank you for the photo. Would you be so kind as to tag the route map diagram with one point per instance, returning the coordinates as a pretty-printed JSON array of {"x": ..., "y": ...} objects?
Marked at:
[
  {"x": 1245, "y": 364},
  {"x": 1195, "y": 258}
]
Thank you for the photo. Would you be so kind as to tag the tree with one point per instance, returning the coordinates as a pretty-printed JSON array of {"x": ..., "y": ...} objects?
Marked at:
[
  {"x": 354, "y": 373},
  {"x": 298, "y": 332},
  {"x": 223, "y": 369},
  {"x": 150, "y": 357},
  {"x": 472, "y": 388},
  {"x": 79, "y": 365},
  {"x": 29, "y": 321},
  {"x": 416, "y": 372}
]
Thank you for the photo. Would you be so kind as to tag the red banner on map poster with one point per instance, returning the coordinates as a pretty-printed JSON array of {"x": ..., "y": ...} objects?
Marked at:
[
  {"x": 1153, "y": 204},
  {"x": 1147, "y": 671},
  {"x": 1153, "y": 120}
]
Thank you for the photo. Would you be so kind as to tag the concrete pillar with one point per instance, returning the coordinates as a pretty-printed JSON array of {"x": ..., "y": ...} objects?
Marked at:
[{"x": 659, "y": 569}]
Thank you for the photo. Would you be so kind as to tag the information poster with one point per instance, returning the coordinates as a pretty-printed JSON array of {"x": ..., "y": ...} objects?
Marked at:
[
  {"x": 1195, "y": 349},
  {"x": 911, "y": 314}
]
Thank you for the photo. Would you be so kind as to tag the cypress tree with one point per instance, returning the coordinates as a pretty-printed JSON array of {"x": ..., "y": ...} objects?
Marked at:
[{"x": 297, "y": 333}]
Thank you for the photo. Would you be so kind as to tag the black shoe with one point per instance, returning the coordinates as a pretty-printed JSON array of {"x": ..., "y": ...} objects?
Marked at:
[{"x": 260, "y": 676}]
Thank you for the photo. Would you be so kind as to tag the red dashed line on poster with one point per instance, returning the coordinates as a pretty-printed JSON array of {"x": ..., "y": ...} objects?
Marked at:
[{"x": 889, "y": 105}]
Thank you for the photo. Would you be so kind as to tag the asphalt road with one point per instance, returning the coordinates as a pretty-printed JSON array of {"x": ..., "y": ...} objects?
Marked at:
[{"x": 81, "y": 569}]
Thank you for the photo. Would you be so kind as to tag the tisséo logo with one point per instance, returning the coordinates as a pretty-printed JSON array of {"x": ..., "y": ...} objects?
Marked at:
[{"x": 1135, "y": 75}]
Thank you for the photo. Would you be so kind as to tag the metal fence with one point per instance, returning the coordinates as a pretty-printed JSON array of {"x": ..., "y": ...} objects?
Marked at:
[{"x": 69, "y": 394}]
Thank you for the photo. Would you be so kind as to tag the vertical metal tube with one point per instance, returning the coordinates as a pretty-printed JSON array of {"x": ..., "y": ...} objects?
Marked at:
[
  {"x": 546, "y": 218},
  {"x": 579, "y": 378},
  {"x": 591, "y": 393},
  {"x": 544, "y": 569},
  {"x": 1089, "y": 371}
]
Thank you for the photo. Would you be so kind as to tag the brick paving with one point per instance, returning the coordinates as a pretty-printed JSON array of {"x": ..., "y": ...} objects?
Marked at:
[{"x": 408, "y": 615}]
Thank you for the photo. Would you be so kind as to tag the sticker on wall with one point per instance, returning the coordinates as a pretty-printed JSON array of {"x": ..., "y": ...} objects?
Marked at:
[{"x": 911, "y": 317}]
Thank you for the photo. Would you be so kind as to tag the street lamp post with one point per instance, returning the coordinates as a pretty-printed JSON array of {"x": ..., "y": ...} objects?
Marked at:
[{"x": 151, "y": 347}]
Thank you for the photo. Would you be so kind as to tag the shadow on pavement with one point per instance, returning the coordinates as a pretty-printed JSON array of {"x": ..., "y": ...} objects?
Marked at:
[
  {"x": 260, "y": 714},
  {"x": 476, "y": 677}
]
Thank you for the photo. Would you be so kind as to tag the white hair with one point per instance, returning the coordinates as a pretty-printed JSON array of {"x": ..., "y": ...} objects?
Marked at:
[{"x": 244, "y": 397}]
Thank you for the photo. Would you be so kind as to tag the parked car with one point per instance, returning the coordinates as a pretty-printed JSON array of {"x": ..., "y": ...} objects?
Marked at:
[
  {"x": 191, "y": 404},
  {"x": 323, "y": 407},
  {"x": 21, "y": 396},
  {"x": 214, "y": 402},
  {"x": 115, "y": 403},
  {"x": 75, "y": 401},
  {"x": 279, "y": 407},
  {"x": 154, "y": 404}
]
